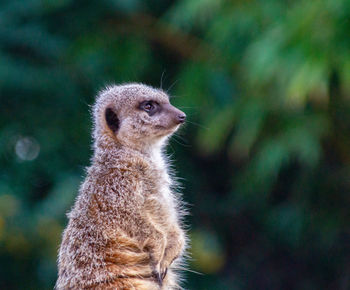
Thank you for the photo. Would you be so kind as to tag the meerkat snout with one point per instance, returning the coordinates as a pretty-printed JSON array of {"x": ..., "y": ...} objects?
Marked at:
[
  {"x": 181, "y": 118},
  {"x": 175, "y": 114}
]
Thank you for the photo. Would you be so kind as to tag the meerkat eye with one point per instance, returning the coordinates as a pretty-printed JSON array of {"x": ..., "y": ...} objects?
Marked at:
[{"x": 150, "y": 107}]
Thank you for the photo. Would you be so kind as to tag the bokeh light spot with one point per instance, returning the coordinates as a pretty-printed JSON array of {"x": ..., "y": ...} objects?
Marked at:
[
  {"x": 207, "y": 252},
  {"x": 27, "y": 148}
]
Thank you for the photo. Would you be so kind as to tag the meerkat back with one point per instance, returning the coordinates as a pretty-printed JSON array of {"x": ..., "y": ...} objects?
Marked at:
[{"x": 125, "y": 229}]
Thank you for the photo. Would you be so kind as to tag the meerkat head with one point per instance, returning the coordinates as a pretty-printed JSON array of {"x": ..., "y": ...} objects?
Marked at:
[{"x": 135, "y": 115}]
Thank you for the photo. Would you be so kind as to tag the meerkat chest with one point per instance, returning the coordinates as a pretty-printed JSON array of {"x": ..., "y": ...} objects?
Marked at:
[
  {"x": 164, "y": 193},
  {"x": 166, "y": 198}
]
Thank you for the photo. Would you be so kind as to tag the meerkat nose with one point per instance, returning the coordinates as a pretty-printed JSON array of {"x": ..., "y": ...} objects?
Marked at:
[{"x": 181, "y": 117}]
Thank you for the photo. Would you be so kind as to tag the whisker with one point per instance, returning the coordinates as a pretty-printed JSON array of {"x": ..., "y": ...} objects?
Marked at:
[
  {"x": 161, "y": 79},
  {"x": 187, "y": 107},
  {"x": 171, "y": 154},
  {"x": 180, "y": 137},
  {"x": 199, "y": 125},
  {"x": 188, "y": 270},
  {"x": 180, "y": 143},
  {"x": 167, "y": 91}
]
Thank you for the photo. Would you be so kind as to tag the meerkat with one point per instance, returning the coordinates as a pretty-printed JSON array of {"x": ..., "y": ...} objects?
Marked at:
[{"x": 125, "y": 230}]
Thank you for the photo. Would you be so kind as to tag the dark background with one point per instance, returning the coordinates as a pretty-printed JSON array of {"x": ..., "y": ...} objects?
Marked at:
[{"x": 264, "y": 157}]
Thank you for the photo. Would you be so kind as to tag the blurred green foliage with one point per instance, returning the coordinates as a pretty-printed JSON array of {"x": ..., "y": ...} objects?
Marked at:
[{"x": 265, "y": 155}]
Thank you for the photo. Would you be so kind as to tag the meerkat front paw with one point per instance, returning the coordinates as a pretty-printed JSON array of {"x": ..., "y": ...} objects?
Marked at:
[
  {"x": 174, "y": 248},
  {"x": 159, "y": 273},
  {"x": 158, "y": 277}
]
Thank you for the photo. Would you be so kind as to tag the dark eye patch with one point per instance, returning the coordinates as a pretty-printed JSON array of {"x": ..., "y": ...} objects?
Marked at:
[
  {"x": 112, "y": 120},
  {"x": 151, "y": 107}
]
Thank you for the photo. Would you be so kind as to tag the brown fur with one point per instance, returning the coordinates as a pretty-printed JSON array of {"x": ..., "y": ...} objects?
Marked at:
[{"x": 124, "y": 231}]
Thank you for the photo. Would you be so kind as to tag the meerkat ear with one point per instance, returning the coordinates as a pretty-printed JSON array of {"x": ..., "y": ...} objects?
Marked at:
[{"x": 112, "y": 120}]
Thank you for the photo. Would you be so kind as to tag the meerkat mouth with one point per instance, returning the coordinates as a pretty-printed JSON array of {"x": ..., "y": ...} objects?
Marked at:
[
  {"x": 169, "y": 131},
  {"x": 160, "y": 127}
]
